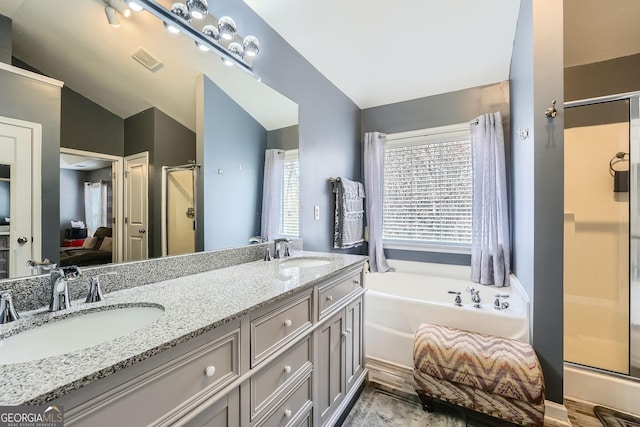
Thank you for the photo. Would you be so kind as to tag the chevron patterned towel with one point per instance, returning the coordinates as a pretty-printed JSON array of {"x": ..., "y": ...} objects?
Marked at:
[{"x": 479, "y": 371}]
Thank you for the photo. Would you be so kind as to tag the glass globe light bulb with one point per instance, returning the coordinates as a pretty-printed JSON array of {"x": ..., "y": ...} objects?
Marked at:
[
  {"x": 198, "y": 9},
  {"x": 227, "y": 27},
  {"x": 211, "y": 31},
  {"x": 251, "y": 46},
  {"x": 236, "y": 49}
]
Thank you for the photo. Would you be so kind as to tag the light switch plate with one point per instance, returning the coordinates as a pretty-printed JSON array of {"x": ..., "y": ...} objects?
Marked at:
[{"x": 316, "y": 212}]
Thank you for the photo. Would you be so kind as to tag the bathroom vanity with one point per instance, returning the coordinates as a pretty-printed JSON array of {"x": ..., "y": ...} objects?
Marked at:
[{"x": 263, "y": 343}]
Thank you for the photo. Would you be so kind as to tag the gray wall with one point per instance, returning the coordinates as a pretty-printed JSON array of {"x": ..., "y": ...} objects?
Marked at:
[
  {"x": 5, "y": 198},
  {"x": 329, "y": 122},
  {"x": 169, "y": 144},
  {"x": 87, "y": 126},
  {"x": 538, "y": 180},
  {"x": 283, "y": 138},
  {"x": 71, "y": 198},
  {"x": 174, "y": 144},
  {"x": 233, "y": 154},
  {"x": 6, "y": 39},
  {"x": 26, "y": 99},
  {"x": 610, "y": 77},
  {"x": 433, "y": 111}
]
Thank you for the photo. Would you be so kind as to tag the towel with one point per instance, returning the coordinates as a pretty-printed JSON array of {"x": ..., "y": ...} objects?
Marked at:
[{"x": 349, "y": 214}]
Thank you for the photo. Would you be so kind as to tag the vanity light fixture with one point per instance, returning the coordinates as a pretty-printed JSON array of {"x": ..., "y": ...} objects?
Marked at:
[
  {"x": 135, "y": 5},
  {"x": 227, "y": 27},
  {"x": 208, "y": 33},
  {"x": 181, "y": 11},
  {"x": 198, "y": 9}
]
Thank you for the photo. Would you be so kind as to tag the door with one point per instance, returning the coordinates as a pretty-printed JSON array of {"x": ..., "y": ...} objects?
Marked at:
[
  {"x": 180, "y": 208},
  {"x": 136, "y": 221},
  {"x": 354, "y": 354},
  {"x": 331, "y": 366},
  {"x": 19, "y": 145}
]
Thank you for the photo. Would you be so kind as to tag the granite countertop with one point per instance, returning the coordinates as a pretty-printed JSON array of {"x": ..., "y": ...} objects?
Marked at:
[{"x": 193, "y": 305}]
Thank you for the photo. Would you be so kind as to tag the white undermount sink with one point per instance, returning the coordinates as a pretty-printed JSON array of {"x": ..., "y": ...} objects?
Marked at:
[
  {"x": 304, "y": 262},
  {"x": 82, "y": 330}
]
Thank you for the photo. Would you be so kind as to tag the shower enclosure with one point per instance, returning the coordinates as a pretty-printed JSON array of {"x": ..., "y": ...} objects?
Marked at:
[
  {"x": 179, "y": 209},
  {"x": 602, "y": 234}
]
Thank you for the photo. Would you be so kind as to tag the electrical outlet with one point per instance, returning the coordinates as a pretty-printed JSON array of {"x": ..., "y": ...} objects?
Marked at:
[{"x": 316, "y": 212}]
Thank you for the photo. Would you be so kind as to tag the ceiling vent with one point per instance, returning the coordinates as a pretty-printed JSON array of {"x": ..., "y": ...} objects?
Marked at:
[{"x": 148, "y": 60}]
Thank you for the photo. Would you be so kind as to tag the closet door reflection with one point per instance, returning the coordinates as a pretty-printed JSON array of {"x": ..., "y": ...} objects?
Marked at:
[{"x": 179, "y": 224}]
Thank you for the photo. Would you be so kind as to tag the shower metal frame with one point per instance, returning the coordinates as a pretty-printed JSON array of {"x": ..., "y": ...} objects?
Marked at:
[{"x": 634, "y": 217}]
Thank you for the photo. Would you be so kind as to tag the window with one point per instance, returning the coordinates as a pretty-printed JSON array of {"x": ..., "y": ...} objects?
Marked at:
[
  {"x": 289, "y": 221},
  {"x": 428, "y": 189}
]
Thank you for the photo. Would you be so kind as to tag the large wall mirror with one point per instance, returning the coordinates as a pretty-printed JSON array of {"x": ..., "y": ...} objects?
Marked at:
[{"x": 189, "y": 132}]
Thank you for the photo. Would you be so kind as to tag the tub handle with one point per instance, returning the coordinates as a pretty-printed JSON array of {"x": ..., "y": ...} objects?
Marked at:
[{"x": 457, "y": 301}]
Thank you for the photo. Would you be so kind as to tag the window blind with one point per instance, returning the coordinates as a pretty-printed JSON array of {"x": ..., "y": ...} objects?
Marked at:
[
  {"x": 428, "y": 187},
  {"x": 289, "y": 221}
]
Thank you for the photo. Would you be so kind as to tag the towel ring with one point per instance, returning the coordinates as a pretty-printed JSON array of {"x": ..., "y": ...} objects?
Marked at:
[{"x": 618, "y": 158}]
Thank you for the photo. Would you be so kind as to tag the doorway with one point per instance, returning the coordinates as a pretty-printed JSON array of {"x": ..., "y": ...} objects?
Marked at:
[
  {"x": 179, "y": 209},
  {"x": 90, "y": 207},
  {"x": 136, "y": 199}
]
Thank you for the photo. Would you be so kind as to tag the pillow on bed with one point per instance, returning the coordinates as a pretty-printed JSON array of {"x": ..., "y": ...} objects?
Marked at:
[
  {"x": 106, "y": 245},
  {"x": 89, "y": 242}
]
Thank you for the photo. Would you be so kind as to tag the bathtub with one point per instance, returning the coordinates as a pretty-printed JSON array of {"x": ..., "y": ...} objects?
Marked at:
[{"x": 397, "y": 302}]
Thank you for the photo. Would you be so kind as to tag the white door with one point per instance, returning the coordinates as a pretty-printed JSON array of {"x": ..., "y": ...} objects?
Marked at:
[
  {"x": 136, "y": 198},
  {"x": 19, "y": 145}
]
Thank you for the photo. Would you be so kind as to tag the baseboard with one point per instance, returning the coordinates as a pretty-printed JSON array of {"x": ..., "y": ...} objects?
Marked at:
[{"x": 555, "y": 414}]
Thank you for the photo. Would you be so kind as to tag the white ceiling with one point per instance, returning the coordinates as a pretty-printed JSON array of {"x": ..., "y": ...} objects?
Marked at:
[
  {"x": 71, "y": 161},
  {"x": 381, "y": 51},
  {"x": 71, "y": 41}
]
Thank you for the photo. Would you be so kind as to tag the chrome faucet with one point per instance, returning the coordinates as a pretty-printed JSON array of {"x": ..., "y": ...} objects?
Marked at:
[
  {"x": 279, "y": 252},
  {"x": 7, "y": 312},
  {"x": 498, "y": 304},
  {"x": 475, "y": 297},
  {"x": 40, "y": 267},
  {"x": 457, "y": 301},
  {"x": 59, "y": 278},
  {"x": 95, "y": 292}
]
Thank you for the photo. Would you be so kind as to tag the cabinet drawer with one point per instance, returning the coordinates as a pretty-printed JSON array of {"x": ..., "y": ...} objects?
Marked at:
[
  {"x": 270, "y": 331},
  {"x": 267, "y": 384},
  {"x": 157, "y": 392},
  {"x": 291, "y": 409},
  {"x": 332, "y": 294}
]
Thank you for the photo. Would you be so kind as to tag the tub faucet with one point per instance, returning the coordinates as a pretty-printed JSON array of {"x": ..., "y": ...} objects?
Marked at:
[
  {"x": 498, "y": 304},
  {"x": 7, "y": 312},
  {"x": 279, "y": 252},
  {"x": 59, "y": 278},
  {"x": 475, "y": 297},
  {"x": 457, "y": 301}
]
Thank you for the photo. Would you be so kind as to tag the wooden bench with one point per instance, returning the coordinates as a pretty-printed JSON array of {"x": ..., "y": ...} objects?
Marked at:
[{"x": 496, "y": 376}]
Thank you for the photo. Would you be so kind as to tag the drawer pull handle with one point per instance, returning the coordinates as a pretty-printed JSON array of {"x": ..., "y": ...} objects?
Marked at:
[
  {"x": 287, "y": 413},
  {"x": 329, "y": 298},
  {"x": 287, "y": 323},
  {"x": 356, "y": 282},
  {"x": 210, "y": 370},
  {"x": 287, "y": 369}
]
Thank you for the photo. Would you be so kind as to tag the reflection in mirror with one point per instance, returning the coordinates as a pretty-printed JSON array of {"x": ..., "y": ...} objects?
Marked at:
[{"x": 129, "y": 90}]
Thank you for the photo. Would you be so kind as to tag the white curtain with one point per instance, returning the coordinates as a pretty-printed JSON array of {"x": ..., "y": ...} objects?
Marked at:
[
  {"x": 490, "y": 252},
  {"x": 374, "y": 189},
  {"x": 95, "y": 205},
  {"x": 272, "y": 194}
]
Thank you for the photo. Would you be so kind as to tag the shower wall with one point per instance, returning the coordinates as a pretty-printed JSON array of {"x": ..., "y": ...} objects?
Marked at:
[
  {"x": 180, "y": 211},
  {"x": 596, "y": 244}
]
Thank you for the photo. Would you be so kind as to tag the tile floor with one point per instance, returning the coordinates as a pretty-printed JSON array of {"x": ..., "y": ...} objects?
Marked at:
[{"x": 381, "y": 406}]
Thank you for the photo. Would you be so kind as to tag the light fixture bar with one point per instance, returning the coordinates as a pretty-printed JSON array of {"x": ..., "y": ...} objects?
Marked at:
[{"x": 166, "y": 16}]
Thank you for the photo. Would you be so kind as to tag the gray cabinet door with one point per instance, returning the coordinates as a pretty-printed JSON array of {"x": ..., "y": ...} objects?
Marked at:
[
  {"x": 223, "y": 413},
  {"x": 330, "y": 364},
  {"x": 354, "y": 352}
]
